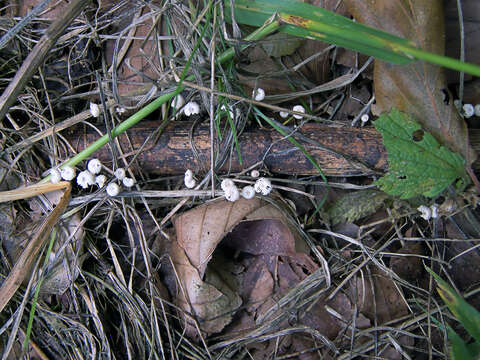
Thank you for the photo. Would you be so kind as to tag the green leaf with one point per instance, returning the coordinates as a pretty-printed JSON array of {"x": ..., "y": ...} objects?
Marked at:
[
  {"x": 465, "y": 313},
  {"x": 418, "y": 164},
  {"x": 312, "y": 22},
  {"x": 460, "y": 350}
]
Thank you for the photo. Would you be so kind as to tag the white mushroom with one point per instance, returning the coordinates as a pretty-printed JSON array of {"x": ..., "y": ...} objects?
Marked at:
[
  {"x": 55, "y": 176},
  {"x": 68, "y": 173},
  {"x": 232, "y": 194},
  {"x": 128, "y": 182},
  {"x": 94, "y": 110},
  {"x": 100, "y": 180},
  {"x": 113, "y": 189},
  {"x": 190, "y": 182},
  {"x": 468, "y": 110},
  {"x": 426, "y": 212},
  {"x": 298, "y": 108},
  {"x": 85, "y": 179},
  {"x": 283, "y": 114},
  {"x": 94, "y": 166},
  {"x": 192, "y": 108},
  {"x": 258, "y": 94},
  {"x": 226, "y": 183},
  {"x": 120, "y": 173},
  {"x": 263, "y": 186},
  {"x": 188, "y": 174},
  {"x": 255, "y": 174},
  {"x": 248, "y": 192},
  {"x": 365, "y": 118},
  {"x": 477, "y": 110}
]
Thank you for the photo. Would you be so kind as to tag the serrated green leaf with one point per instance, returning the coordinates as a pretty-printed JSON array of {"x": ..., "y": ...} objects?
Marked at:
[
  {"x": 418, "y": 164},
  {"x": 355, "y": 205}
]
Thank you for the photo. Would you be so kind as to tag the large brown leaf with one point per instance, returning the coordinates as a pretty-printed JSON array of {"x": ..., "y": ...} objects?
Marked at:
[
  {"x": 418, "y": 88},
  {"x": 209, "y": 293}
]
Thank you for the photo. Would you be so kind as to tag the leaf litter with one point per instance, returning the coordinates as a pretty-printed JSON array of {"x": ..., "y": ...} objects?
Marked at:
[{"x": 254, "y": 279}]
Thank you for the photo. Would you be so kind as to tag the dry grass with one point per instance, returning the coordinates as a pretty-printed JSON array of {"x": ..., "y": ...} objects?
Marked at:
[{"x": 118, "y": 306}]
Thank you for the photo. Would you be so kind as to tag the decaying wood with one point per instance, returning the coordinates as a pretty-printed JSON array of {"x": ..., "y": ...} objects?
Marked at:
[{"x": 172, "y": 153}]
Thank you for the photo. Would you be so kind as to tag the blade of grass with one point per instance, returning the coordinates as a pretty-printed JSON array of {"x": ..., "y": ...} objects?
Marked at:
[
  {"x": 37, "y": 291},
  {"x": 271, "y": 26},
  {"x": 466, "y": 314},
  {"x": 308, "y": 21},
  {"x": 29, "y": 254},
  {"x": 305, "y": 152},
  {"x": 459, "y": 349}
]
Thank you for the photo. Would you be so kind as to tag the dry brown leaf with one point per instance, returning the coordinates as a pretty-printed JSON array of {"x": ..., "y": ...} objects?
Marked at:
[
  {"x": 416, "y": 88},
  {"x": 136, "y": 60},
  {"x": 265, "y": 237},
  {"x": 407, "y": 267},
  {"x": 384, "y": 304},
  {"x": 211, "y": 294},
  {"x": 380, "y": 301}
]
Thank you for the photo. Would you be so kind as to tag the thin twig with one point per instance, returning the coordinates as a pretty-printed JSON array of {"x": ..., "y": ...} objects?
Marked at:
[{"x": 38, "y": 55}]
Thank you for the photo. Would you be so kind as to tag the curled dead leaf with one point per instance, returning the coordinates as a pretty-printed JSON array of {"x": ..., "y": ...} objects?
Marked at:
[{"x": 211, "y": 294}]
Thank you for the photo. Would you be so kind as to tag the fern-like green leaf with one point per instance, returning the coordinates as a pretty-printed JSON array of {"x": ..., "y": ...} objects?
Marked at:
[{"x": 418, "y": 164}]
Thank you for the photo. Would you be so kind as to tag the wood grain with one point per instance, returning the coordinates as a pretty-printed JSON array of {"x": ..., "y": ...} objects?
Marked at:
[{"x": 171, "y": 154}]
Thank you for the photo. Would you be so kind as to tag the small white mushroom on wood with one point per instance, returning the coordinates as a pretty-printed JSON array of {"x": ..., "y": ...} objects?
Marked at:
[
  {"x": 192, "y": 108},
  {"x": 128, "y": 182},
  {"x": 263, "y": 186},
  {"x": 298, "y": 108},
  {"x": 189, "y": 180},
  {"x": 258, "y": 94},
  {"x": 94, "y": 110},
  {"x": 100, "y": 180},
  {"x": 226, "y": 183}
]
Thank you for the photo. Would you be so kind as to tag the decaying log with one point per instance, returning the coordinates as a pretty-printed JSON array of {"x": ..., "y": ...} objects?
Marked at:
[{"x": 353, "y": 151}]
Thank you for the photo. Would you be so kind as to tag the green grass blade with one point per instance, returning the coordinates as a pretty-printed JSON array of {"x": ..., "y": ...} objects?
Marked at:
[
  {"x": 466, "y": 314},
  {"x": 31, "y": 316},
  {"x": 308, "y": 21},
  {"x": 303, "y": 150},
  {"x": 460, "y": 350}
]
